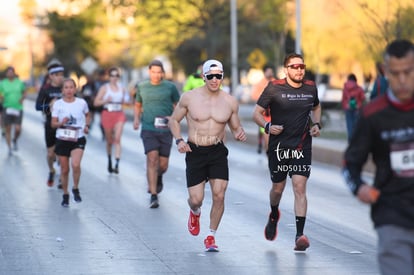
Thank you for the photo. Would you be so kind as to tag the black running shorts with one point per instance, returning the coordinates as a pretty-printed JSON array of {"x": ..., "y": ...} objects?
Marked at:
[
  {"x": 50, "y": 135},
  {"x": 206, "y": 162},
  {"x": 12, "y": 119},
  {"x": 289, "y": 162},
  {"x": 64, "y": 147}
]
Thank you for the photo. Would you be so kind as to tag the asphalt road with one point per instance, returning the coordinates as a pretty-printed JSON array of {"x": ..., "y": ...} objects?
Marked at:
[{"x": 113, "y": 231}]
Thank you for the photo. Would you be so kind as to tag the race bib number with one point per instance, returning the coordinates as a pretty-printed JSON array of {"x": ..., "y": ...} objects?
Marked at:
[
  {"x": 12, "y": 112},
  {"x": 161, "y": 122},
  {"x": 68, "y": 133},
  {"x": 113, "y": 107},
  {"x": 402, "y": 159}
]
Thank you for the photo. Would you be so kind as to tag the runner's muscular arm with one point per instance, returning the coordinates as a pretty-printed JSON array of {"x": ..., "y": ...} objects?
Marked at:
[
  {"x": 88, "y": 118},
  {"x": 258, "y": 115},
  {"x": 261, "y": 121},
  {"x": 234, "y": 122},
  {"x": 316, "y": 113},
  {"x": 137, "y": 114},
  {"x": 316, "y": 118},
  {"x": 180, "y": 111}
]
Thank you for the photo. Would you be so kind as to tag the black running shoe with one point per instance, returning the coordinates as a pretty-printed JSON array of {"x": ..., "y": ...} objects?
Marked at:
[
  {"x": 270, "y": 231},
  {"x": 76, "y": 195},
  {"x": 15, "y": 148},
  {"x": 116, "y": 170},
  {"x": 154, "y": 201},
  {"x": 65, "y": 201},
  {"x": 160, "y": 185},
  {"x": 110, "y": 170}
]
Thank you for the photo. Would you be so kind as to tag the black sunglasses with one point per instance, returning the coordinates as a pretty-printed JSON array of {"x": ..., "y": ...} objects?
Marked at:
[
  {"x": 114, "y": 75},
  {"x": 297, "y": 66},
  {"x": 210, "y": 76}
]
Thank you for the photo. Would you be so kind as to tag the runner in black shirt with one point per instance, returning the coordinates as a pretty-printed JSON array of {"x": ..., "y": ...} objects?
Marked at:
[
  {"x": 46, "y": 97},
  {"x": 292, "y": 101},
  {"x": 385, "y": 130}
]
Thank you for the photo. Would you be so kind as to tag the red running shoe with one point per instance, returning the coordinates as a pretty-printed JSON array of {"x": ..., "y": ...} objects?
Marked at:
[
  {"x": 210, "y": 244},
  {"x": 302, "y": 242},
  {"x": 51, "y": 179},
  {"x": 194, "y": 223}
]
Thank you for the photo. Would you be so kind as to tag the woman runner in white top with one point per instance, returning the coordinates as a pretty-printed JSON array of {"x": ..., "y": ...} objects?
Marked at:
[
  {"x": 112, "y": 96},
  {"x": 70, "y": 115}
]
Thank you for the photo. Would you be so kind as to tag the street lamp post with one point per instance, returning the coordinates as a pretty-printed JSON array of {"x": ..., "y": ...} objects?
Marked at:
[
  {"x": 298, "y": 48},
  {"x": 234, "y": 54}
]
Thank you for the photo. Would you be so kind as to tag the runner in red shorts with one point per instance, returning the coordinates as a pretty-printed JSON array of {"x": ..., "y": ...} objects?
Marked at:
[{"x": 112, "y": 96}]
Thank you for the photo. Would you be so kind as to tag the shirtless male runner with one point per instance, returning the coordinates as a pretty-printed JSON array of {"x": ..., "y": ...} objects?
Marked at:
[{"x": 207, "y": 110}]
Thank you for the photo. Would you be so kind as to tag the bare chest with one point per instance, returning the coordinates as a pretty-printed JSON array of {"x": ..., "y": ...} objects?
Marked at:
[{"x": 217, "y": 110}]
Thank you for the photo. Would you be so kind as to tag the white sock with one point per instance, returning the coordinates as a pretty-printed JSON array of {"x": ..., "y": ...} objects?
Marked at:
[
  {"x": 197, "y": 212},
  {"x": 212, "y": 232}
]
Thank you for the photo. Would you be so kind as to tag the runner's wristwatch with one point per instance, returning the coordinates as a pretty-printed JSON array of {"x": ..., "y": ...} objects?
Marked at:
[
  {"x": 178, "y": 140},
  {"x": 318, "y": 124}
]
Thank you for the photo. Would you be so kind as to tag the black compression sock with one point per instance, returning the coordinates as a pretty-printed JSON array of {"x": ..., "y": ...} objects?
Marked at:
[{"x": 300, "y": 224}]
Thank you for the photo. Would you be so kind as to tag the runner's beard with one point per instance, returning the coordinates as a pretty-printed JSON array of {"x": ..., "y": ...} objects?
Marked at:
[{"x": 297, "y": 80}]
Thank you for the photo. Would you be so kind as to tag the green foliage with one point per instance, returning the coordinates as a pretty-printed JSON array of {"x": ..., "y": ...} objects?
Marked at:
[
  {"x": 335, "y": 34},
  {"x": 28, "y": 10},
  {"x": 188, "y": 31},
  {"x": 404, "y": 23},
  {"x": 71, "y": 39}
]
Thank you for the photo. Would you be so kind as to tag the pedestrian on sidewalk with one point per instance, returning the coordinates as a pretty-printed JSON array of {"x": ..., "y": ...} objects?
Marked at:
[
  {"x": 291, "y": 101},
  {"x": 112, "y": 96},
  {"x": 353, "y": 97},
  {"x": 385, "y": 130},
  {"x": 207, "y": 110},
  {"x": 12, "y": 92},
  {"x": 380, "y": 84},
  {"x": 70, "y": 116},
  {"x": 48, "y": 94},
  {"x": 155, "y": 102}
]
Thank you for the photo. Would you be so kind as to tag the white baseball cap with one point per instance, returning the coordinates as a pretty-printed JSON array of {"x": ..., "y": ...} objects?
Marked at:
[{"x": 212, "y": 64}]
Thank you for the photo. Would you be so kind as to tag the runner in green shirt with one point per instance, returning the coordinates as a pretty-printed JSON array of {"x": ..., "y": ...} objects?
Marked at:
[{"x": 12, "y": 91}]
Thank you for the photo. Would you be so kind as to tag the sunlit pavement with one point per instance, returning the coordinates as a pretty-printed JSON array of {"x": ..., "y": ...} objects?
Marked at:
[{"x": 113, "y": 231}]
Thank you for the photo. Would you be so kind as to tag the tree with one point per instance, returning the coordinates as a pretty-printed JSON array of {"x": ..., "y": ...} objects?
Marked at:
[
  {"x": 404, "y": 23},
  {"x": 397, "y": 21},
  {"x": 72, "y": 40},
  {"x": 28, "y": 11},
  {"x": 130, "y": 33},
  {"x": 262, "y": 20}
]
